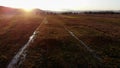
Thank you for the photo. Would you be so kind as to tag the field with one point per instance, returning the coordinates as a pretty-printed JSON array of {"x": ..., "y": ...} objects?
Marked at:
[
  {"x": 14, "y": 33},
  {"x": 62, "y": 41}
]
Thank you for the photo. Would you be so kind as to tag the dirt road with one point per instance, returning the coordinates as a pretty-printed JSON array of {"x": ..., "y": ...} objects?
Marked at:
[
  {"x": 20, "y": 56},
  {"x": 56, "y": 46}
]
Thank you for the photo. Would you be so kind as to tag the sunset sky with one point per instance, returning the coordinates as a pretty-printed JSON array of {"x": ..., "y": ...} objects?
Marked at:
[{"x": 59, "y": 5}]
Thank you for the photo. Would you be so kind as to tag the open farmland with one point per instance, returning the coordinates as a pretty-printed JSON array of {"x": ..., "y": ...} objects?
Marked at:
[
  {"x": 99, "y": 32},
  {"x": 57, "y": 47},
  {"x": 15, "y": 31},
  {"x": 62, "y": 41}
]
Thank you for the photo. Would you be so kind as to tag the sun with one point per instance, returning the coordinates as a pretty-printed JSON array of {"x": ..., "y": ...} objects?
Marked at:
[
  {"x": 27, "y": 5},
  {"x": 28, "y": 9}
]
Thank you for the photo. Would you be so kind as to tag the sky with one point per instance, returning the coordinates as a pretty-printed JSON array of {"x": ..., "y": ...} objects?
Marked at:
[{"x": 61, "y": 5}]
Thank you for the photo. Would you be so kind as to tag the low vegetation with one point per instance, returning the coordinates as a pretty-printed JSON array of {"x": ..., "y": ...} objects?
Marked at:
[
  {"x": 54, "y": 47},
  {"x": 14, "y": 33}
]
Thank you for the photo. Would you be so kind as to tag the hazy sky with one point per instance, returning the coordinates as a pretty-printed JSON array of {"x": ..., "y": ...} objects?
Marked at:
[{"x": 58, "y": 5}]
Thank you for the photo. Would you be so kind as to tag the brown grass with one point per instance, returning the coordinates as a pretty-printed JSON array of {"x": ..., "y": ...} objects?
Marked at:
[
  {"x": 55, "y": 47},
  {"x": 14, "y": 33}
]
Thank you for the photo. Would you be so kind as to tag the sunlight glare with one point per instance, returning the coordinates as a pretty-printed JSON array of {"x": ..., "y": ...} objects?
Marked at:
[
  {"x": 28, "y": 9},
  {"x": 27, "y": 5},
  {"x": 59, "y": 5}
]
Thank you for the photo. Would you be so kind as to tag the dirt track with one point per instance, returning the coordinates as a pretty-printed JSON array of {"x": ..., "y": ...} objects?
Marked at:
[
  {"x": 55, "y": 42},
  {"x": 21, "y": 55},
  {"x": 65, "y": 41}
]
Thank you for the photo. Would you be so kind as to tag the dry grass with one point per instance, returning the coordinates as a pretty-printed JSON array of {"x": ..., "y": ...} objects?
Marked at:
[
  {"x": 55, "y": 47},
  {"x": 101, "y": 33},
  {"x": 14, "y": 33}
]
